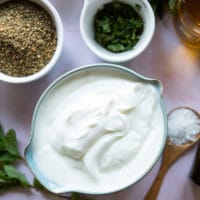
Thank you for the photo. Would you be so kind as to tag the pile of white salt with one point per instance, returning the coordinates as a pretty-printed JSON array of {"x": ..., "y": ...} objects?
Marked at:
[{"x": 183, "y": 126}]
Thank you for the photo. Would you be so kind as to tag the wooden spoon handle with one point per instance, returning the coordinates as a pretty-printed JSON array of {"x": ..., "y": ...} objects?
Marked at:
[
  {"x": 170, "y": 154},
  {"x": 155, "y": 188}
]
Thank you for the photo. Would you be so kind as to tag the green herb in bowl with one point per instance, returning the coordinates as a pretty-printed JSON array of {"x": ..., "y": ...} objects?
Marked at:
[{"x": 118, "y": 27}]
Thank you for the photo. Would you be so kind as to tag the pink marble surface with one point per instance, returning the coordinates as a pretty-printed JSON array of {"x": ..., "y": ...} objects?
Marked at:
[{"x": 166, "y": 59}]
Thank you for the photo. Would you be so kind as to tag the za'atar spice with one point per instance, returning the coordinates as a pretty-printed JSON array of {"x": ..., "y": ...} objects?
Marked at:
[{"x": 27, "y": 38}]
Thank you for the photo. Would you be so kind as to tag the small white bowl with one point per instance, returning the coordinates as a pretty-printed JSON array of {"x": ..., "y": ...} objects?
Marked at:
[
  {"x": 89, "y": 10},
  {"x": 60, "y": 39}
]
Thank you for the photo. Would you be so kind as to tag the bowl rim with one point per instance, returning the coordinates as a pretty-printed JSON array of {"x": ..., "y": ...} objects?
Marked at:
[
  {"x": 55, "y": 17},
  {"x": 108, "y": 55},
  {"x": 49, "y": 185}
]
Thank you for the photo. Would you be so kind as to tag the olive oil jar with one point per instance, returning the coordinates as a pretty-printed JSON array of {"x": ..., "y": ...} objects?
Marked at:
[{"x": 187, "y": 22}]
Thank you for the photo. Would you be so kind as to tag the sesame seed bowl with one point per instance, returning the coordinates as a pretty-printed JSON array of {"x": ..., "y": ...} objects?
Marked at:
[{"x": 31, "y": 40}]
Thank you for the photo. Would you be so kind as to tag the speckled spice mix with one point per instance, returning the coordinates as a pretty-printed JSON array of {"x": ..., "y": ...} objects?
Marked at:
[{"x": 27, "y": 38}]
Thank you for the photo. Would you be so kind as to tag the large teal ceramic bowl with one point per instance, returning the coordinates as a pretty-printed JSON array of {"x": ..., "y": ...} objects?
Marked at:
[{"x": 57, "y": 85}]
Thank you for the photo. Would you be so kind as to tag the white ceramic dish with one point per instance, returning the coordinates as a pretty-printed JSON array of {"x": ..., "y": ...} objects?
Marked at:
[
  {"x": 57, "y": 86},
  {"x": 87, "y": 30},
  {"x": 60, "y": 39}
]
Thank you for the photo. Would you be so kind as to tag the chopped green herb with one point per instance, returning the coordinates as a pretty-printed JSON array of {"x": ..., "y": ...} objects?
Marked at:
[{"x": 117, "y": 26}]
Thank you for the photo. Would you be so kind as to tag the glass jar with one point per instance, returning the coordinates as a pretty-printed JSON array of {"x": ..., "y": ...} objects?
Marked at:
[{"x": 187, "y": 22}]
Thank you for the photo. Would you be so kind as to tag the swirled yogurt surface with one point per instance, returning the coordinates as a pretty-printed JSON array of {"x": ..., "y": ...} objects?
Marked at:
[{"x": 98, "y": 131}]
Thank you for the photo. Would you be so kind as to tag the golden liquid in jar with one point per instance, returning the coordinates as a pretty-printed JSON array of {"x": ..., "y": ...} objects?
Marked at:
[{"x": 187, "y": 22}]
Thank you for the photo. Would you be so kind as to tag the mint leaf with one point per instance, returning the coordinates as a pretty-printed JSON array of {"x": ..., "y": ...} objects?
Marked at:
[
  {"x": 5, "y": 180},
  {"x": 6, "y": 183},
  {"x": 6, "y": 157},
  {"x": 9, "y": 176},
  {"x": 1, "y": 132},
  {"x": 8, "y": 146},
  {"x": 10, "y": 142},
  {"x": 9, "y": 153},
  {"x": 2, "y": 147},
  {"x": 14, "y": 175}
]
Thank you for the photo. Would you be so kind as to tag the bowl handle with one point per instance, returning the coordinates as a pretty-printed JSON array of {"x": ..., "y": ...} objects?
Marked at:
[{"x": 158, "y": 85}]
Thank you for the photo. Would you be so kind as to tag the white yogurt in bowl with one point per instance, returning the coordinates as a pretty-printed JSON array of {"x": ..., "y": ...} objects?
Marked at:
[{"x": 96, "y": 130}]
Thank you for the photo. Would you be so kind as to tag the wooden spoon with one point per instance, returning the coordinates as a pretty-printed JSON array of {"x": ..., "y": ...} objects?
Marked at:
[{"x": 171, "y": 153}]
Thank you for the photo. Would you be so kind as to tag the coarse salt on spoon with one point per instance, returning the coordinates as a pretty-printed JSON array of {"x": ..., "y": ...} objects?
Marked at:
[{"x": 183, "y": 134}]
